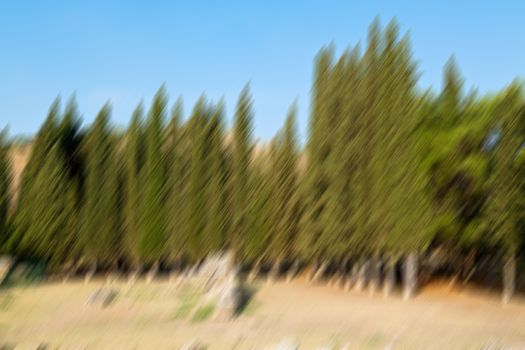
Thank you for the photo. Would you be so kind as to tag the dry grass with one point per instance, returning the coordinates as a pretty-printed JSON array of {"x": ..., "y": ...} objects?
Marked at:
[{"x": 160, "y": 316}]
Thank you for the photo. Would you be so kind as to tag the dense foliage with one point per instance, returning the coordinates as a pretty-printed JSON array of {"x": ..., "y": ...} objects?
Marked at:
[{"x": 386, "y": 170}]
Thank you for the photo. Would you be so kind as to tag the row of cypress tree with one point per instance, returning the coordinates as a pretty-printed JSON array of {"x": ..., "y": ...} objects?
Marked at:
[{"x": 388, "y": 171}]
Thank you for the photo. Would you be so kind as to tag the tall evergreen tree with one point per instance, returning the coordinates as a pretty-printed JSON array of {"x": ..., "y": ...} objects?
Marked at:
[
  {"x": 100, "y": 238},
  {"x": 216, "y": 189},
  {"x": 242, "y": 156},
  {"x": 5, "y": 191},
  {"x": 198, "y": 181},
  {"x": 49, "y": 199},
  {"x": 153, "y": 238},
  {"x": 135, "y": 156},
  {"x": 315, "y": 180},
  {"x": 261, "y": 211},
  {"x": 285, "y": 196},
  {"x": 345, "y": 163},
  {"x": 26, "y": 206},
  {"x": 176, "y": 178},
  {"x": 70, "y": 152},
  {"x": 46, "y": 236}
]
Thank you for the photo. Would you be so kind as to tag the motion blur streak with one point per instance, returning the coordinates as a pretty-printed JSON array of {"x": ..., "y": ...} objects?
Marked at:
[{"x": 392, "y": 181}]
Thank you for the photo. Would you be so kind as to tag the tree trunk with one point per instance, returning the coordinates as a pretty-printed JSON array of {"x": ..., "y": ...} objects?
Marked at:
[
  {"x": 341, "y": 279},
  {"x": 348, "y": 279},
  {"x": 311, "y": 272},
  {"x": 292, "y": 272},
  {"x": 111, "y": 276},
  {"x": 254, "y": 272},
  {"x": 410, "y": 276},
  {"x": 348, "y": 283},
  {"x": 351, "y": 280},
  {"x": 509, "y": 277},
  {"x": 132, "y": 278},
  {"x": 273, "y": 275},
  {"x": 469, "y": 267},
  {"x": 390, "y": 277},
  {"x": 172, "y": 278},
  {"x": 195, "y": 268},
  {"x": 90, "y": 273},
  {"x": 69, "y": 271},
  {"x": 332, "y": 282},
  {"x": 320, "y": 272},
  {"x": 375, "y": 275},
  {"x": 362, "y": 275},
  {"x": 152, "y": 273}
]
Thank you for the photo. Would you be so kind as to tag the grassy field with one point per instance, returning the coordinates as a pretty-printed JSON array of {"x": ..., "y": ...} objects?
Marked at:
[{"x": 162, "y": 316}]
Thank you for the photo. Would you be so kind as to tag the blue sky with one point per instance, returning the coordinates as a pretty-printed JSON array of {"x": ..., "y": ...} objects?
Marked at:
[{"x": 124, "y": 50}]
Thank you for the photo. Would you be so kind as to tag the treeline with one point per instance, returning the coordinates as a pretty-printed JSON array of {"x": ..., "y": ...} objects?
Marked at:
[{"x": 388, "y": 173}]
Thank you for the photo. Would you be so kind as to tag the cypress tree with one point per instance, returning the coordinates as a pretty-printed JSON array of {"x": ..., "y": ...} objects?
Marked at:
[
  {"x": 315, "y": 180},
  {"x": 134, "y": 155},
  {"x": 48, "y": 231},
  {"x": 198, "y": 180},
  {"x": 404, "y": 198},
  {"x": 330, "y": 241},
  {"x": 5, "y": 199},
  {"x": 261, "y": 211},
  {"x": 100, "y": 236},
  {"x": 345, "y": 162},
  {"x": 216, "y": 189},
  {"x": 153, "y": 238},
  {"x": 176, "y": 216},
  {"x": 70, "y": 153},
  {"x": 242, "y": 155},
  {"x": 369, "y": 175},
  {"x": 26, "y": 206},
  {"x": 285, "y": 197},
  {"x": 46, "y": 237}
]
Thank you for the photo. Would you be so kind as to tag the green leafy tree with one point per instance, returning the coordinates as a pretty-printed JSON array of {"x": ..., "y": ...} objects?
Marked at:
[{"x": 505, "y": 180}]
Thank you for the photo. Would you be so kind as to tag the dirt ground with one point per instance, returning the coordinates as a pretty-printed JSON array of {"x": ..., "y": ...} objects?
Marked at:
[{"x": 156, "y": 316}]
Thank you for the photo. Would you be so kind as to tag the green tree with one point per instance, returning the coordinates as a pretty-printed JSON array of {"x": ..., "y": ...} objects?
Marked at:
[
  {"x": 26, "y": 206},
  {"x": 242, "y": 155},
  {"x": 176, "y": 178},
  {"x": 5, "y": 193},
  {"x": 135, "y": 157},
  {"x": 285, "y": 196},
  {"x": 216, "y": 188},
  {"x": 70, "y": 139},
  {"x": 316, "y": 181},
  {"x": 153, "y": 238},
  {"x": 45, "y": 237},
  {"x": 198, "y": 181},
  {"x": 346, "y": 163},
  {"x": 261, "y": 212},
  {"x": 101, "y": 235}
]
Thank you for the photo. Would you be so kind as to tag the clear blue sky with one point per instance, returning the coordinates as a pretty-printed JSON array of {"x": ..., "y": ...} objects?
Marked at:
[{"x": 124, "y": 50}]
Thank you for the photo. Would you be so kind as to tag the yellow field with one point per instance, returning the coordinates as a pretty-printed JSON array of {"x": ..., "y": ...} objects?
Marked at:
[{"x": 160, "y": 316}]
